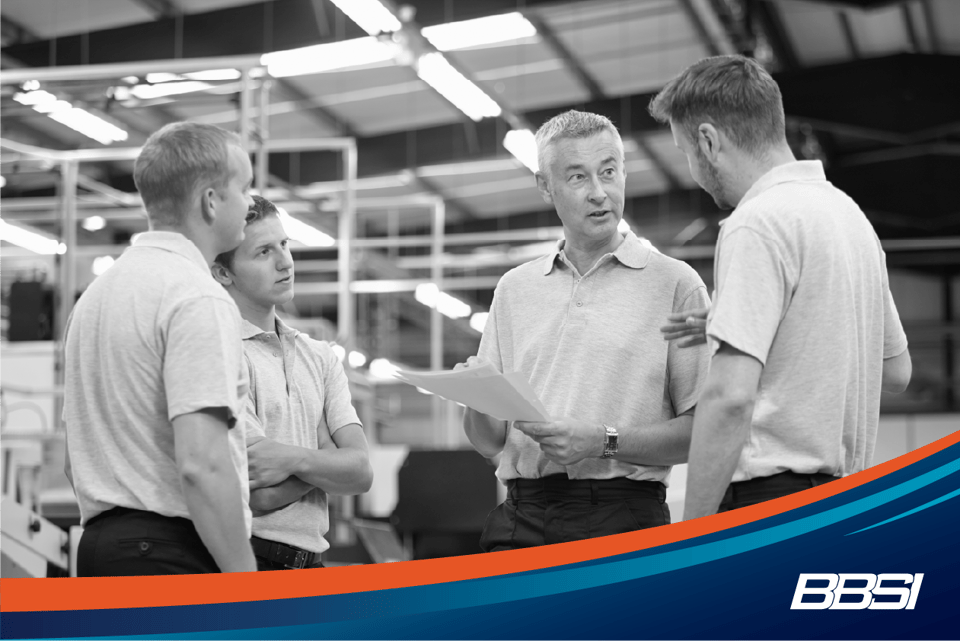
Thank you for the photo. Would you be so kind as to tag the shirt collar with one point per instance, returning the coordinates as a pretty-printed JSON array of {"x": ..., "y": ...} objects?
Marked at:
[
  {"x": 248, "y": 330},
  {"x": 175, "y": 242},
  {"x": 632, "y": 253},
  {"x": 797, "y": 171}
]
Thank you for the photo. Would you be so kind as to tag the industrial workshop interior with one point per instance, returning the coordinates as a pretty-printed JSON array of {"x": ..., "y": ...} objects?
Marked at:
[{"x": 397, "y": 141}]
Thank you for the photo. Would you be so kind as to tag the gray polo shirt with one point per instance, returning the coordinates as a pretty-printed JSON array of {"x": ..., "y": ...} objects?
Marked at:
[
  {"x": 592, "y": 348},
  {"x": 802, "y": 287},
  {"x": 151, "y": 339},
  {"x": 299, "y": 395}
]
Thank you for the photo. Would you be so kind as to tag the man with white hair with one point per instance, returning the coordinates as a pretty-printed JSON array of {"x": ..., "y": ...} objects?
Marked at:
[{"x": 581, "y": 324}]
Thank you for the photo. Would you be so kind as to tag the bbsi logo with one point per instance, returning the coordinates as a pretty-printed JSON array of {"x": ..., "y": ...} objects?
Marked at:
[{"x": 830, "y": 597}]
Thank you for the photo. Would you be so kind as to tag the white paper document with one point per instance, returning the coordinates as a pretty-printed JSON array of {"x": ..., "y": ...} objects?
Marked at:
[{"x": 507, "y": 396}]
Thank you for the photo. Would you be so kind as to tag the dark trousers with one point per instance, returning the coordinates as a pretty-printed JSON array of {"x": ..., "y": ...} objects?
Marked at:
[
  {"x": 765, "y": 488},
  {"x": 125, "y": 542},
  {"x": 556, "y": 509}
]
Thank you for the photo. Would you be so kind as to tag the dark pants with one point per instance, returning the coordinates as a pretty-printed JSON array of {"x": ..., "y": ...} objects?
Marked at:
[
  {"x": 765, "y": 488},
  {"x": 125, "y": 542},
  {"x": 555, "y": 509}
]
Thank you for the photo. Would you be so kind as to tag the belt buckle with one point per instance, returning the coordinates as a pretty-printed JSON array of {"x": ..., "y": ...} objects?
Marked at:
[{"x": 299, "y": 561}]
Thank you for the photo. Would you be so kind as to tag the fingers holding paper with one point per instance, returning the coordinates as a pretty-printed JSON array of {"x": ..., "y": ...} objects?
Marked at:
[
  {"x": 566, "y": 441},
  {"x": 472, "y": 361}
]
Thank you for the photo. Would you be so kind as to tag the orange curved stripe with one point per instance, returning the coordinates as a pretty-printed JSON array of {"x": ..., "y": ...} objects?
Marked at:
[{"x": 26, "y": 595}]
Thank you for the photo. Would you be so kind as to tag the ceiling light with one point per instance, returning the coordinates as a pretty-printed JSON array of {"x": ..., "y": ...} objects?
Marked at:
[
  {"x": 302, "y": 232},
  {"x": 429, "y": 295},
  {"x": 371, "y": 15},
  {"x": 356, "y": 359},
  {"x": 479, "y": 32},
  {"x": 31, "y": 85},
  {"x": 34, "y": 241},
  {"x": 78, "y": 119},
  {"x": 130, "y": 80},
  {"x": 339, "y": 351},
  {"x": 331, "y": 56},
  {"x": 94, "y": 223},
  {"x": 3, "y": 182},
  {"x": 213, "y": 75},
  {"x": 479, "y": 320},
  {"x": 102, "y": 264},
  {"x": 149, "y": 92},
  {"x": 523, "y": 145},
  {"x": 162, "y": 76},
  {"x": 623, "y": 226},
  {"x": 437, "y": 72}
]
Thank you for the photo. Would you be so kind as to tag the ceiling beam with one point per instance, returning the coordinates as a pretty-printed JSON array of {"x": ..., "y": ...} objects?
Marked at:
[
  {"x": 849, "y": 38},
  {"x": 771, "y": 22},
  {"x": 699, "y": 27},
  {"x": 160, "y": 8},
  {"x": 563, "y": 52}
]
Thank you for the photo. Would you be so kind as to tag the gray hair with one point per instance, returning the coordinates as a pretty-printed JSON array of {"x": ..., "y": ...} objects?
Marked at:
[
  {"x": 571, "y": 124},
  {"x": 177, "y": 162},
  {"x": 733, "y": 93}
]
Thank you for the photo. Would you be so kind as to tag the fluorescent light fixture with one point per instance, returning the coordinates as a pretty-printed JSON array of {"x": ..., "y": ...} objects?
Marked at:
[
  {"x": 339, "y": 351},
  {"x": 424, "y": 391},
  {"x": 623, "y": 226},
  {"x": 102, "y": 264},
  {"x": 3, "y": 182},
  {"x": 429, "y": 295},
  {"x": 437, "y": 72},
  {"x": 210, "y": 75},
  {"x": 31, "y": 85},
  {"x": 383, "y": 369},
  {"x": 479, "y": 320},
  {"x": 130, "y": 80},
  {"x": 479, "y": 32},
  {"x": 356, "y": 359},
  {"x": 149, "y": 92},
  {"x": 302, "y": 232},
  {"x": 331, "y": 56},
  {"x": 34, "y": 241},
  {"x": 371, "y": 15},
  {"x": 523, "y": 145},
  {"x": 78, "y": 119},
  {"x": 94, "y": 223}
]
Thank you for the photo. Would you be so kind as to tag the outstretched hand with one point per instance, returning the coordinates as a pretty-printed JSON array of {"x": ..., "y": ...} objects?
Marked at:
[{"x": 690, "y": 328}]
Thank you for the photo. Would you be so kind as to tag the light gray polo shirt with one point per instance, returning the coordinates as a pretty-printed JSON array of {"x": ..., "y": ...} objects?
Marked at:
[
  {"x": 152, "y": 338},
  {"x": 299, "y": 395},
  {"x": 802, "y": 287},
  {"x": 592, "y": 349}
]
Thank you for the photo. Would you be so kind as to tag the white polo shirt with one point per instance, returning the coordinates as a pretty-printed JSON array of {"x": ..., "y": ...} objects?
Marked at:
[
  {"x": 591, "y": 347},
  {"x": 802, "y": 287},
  {"x": 151, "y": 339}
]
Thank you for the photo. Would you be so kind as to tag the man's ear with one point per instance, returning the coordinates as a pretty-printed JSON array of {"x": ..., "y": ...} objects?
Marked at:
[
  {"x": 222, "y": 275},
  {"x": 708, "y": 140},
  {"x": 208, "y": 205},
  {"x": 544, "y": 188}
]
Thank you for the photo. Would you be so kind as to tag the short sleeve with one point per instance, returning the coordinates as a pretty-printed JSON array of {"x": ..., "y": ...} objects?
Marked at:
[
  {"x": 337, "y": 405},
  {"x": 489, "y": 350},
  {"x": 753, "y": 291},
  {"x": 203, "y": 364},
  {"x": 687, "y": 367},
  {"x": 894, "y": 338}
]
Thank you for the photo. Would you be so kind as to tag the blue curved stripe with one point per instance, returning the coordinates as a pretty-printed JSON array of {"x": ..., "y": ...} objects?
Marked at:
[{"x": 945, "y": 497}]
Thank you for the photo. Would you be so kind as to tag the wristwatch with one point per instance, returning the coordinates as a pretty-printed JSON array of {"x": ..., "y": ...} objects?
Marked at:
[{"x": 610, "y": 442}]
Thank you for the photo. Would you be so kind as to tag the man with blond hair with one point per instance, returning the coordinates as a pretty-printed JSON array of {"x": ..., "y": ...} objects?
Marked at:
[
  {"x": 581, "y": 324},
  {"x": 155, "y": 379},
  {"x": 803, "y": 330}
]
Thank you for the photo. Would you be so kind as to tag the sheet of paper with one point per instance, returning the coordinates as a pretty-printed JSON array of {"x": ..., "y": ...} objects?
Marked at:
[{"x": 508, "y": 397}]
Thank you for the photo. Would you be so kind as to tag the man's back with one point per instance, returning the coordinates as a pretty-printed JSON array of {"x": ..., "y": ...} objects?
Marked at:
[
  {"x": 151, "y": 339},
  {"x": 802, "y": 286}
]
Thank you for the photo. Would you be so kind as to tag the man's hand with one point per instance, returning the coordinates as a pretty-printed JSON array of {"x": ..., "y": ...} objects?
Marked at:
[
  {"x": 472, "y": 361},
  {"x": 269, "y": 462},
  {"x": 566, "y": 441},
  {"x": 690, "y": 328}
]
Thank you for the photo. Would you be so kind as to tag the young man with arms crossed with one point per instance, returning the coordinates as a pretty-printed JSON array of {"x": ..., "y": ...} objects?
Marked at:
[{"x": 304, "y": 439}]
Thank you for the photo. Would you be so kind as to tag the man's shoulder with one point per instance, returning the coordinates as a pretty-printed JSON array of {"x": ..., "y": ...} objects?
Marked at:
[
  {"x": 527, "y": 273},
  {"x": 317, "y": 350},
  {"x": 673, "y": 270}
]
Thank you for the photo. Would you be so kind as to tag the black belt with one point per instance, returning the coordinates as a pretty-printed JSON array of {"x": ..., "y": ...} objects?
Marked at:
[
  {"x": 286, "y": 555},
  {"x": 559, "y": 486}
]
